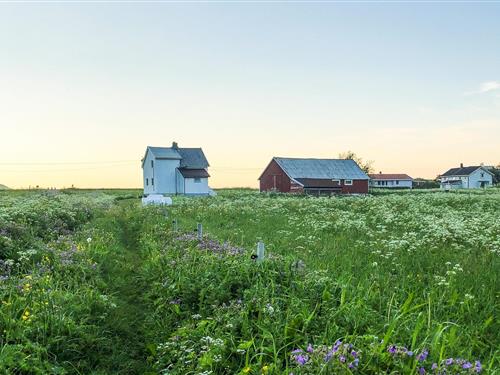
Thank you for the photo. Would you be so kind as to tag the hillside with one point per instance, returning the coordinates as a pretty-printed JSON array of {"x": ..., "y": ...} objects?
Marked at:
[{"x": 3, "y": 187}]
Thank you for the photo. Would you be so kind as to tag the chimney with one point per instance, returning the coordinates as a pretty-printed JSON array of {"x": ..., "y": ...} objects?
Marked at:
[
  {"x": 380, "y": 172},
  {"x": 174, "y": 145},
  {"x": 461, "y": 165}
]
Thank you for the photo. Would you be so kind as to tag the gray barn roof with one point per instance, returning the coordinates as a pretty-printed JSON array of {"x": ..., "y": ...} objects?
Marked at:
[
  {"x": 463, "y": 171},
  {"x": 321, "y": 168},
  {"x": 191, "y": 158}
]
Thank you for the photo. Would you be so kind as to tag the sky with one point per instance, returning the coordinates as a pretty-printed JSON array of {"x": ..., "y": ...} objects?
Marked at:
[{"x": 85, "y": 87}]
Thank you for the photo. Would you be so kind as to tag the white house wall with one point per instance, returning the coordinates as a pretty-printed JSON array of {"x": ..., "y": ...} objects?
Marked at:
[
  {"x": 148, "y": 173},
  {"x": 180, "y": 182},
  {"x": 192, "y": 187},
  {"x": 475, "y": 178},
  {"x": 392, "y": 184},
  {"x": 165, "y": 176}
]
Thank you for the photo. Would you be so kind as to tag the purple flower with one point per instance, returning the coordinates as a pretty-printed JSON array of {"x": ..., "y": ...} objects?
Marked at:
[
  {"x": 392, "y": 349},
  {"x": 434, "y": 366},
  {"x": 310, "y": 348},
  {"x": 421, "y": 371},
  {"x": 342, "y": 359},
  {"x": 467, "y": 365},
  {"x": 354, "y": 353},
  {"x": 478, "y": 366},
  {"x": 328, "y": 355},
  {"x": 356, "y": 362},
  {"x": 301, "y": 359},
  {"x": 410, "y": 353},
  {"x": 423, "y": 356},
  {"x": 296, "y": 351},
  {"x": 449, "y": 362}
]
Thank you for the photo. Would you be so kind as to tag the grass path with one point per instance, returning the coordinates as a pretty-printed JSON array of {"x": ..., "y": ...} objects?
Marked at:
[{"x": 121, "y": 267}]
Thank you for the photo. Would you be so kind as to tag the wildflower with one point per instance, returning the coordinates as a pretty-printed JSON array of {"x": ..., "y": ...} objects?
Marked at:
[
  {"x": 434, "y": 366},
  {"x": 409, "y": 353},
  {"x": 392, "y": 349},
  {"x": 354, "y": 354},
  {"x": 301, "y": 359},
  {"x": 310, "y": 349},
  {"x": 421, "y": 371},
  {"x": 342, "y": 359},
  {"x": 423, "y": 356},
  {"x": 265, "y": 369},
  {"x": 247, "y": 369},
  {"x": 478, "y": 366},
  {"x": 449, "y": 362},
  {"x": 26, "y": 315},
  {"x": 89, "y": 240},
  {"x": 296, "y": 351},
  {"x": 467, "y": 365}
]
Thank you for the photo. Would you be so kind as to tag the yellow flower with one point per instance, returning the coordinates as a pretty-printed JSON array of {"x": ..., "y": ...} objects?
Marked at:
[
  {"x": 26, "y": 315},
  {"x": 265, "y": 369},
  {"x": 247, "y": 369}
]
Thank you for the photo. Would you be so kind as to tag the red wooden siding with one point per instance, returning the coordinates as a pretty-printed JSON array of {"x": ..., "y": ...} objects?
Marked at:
[
  {"x": 357, "y": 187},
  {"x": 272, "y": 175}
]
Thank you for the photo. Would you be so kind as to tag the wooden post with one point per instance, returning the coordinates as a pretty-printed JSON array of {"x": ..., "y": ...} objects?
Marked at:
[
  {"x": 260, "y": 251},
  {"x": 199, "y": 229},
  {"x": 174, "y": 224}
]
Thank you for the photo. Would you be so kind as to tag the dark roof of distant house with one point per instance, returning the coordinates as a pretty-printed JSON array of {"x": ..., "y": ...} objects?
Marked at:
[
  {"x": 194, "y": 173},
  {"x": 191, "y": 158},
  {"x": 389, "y": 176},
  {"x": 318, "y": 183},
  {"x": 464, "y": 171},
  {"x": 318, "y": 169}
]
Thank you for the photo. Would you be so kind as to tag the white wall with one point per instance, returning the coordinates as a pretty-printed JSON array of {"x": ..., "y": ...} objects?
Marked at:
[
  {"x": 148, "y": 173},
  {"x": 479, "y": 175},
  {"x": 392, "y": 184},
  {"x": 165, "y": 176},
  {"x": 180, "y": 182},
  {"x": 196, "y": 187}
]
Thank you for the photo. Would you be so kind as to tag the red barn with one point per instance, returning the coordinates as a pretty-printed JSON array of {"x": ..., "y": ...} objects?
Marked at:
[{"x": 314, "y": 176}]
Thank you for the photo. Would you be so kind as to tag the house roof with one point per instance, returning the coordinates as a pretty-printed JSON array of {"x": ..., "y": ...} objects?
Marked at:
[
  {"x": 321, "y": 168},
  {"x": 464, "y": 171},
  {"x": 194, "y": 173},
  {"x": 318, "y": 183},
  {"x": 191, "y": 158},
  {"x": 389, "y": 176}
]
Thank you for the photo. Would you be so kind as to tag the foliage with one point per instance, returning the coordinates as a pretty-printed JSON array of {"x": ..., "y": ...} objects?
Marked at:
[{"x": 366, "y": 166}]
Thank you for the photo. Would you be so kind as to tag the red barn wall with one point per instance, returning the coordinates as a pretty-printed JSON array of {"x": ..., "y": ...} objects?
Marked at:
[
  {"x": 357, "y": 187},
  {"x": 267, "y": 178}
]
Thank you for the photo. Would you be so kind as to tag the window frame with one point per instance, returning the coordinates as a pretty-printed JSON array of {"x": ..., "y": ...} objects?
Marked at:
[
  {"x": 348, "y": 184},
  {"x": 197, "y": 180}
]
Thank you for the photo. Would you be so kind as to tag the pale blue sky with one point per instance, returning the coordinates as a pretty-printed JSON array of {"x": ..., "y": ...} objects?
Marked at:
[{"x": 397, "y": 83}]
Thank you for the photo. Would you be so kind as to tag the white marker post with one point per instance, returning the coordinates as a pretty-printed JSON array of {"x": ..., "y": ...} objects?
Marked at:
[
  {"x": 260, "y": 251},
  {"x": 199, "y": 229}
]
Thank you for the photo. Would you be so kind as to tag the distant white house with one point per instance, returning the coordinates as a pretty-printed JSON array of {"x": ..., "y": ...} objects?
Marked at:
[
  {"x": 391, "y": 181},
  {"x": 175, "y": 170},
  {"x": 466, "y": 178}
]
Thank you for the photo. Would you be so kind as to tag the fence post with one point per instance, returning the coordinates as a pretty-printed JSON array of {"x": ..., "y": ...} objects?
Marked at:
[
  {"x": 174, "y": 223},
  {"x": 199, "y": 229},
  {"x": 260, "y": 251}
]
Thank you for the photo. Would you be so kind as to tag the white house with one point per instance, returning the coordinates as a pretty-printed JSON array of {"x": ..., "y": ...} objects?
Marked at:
[
  {"x": 391, "y": 181},
  {"x": 175, "y": 170},
  {"x": 466, "y": 178}
]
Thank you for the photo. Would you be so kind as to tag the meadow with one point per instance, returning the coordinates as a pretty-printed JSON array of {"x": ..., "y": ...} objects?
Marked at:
[{"x": 392, "y": 283}]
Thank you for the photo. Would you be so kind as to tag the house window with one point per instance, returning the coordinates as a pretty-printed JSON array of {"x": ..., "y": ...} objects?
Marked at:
[
  {"x": 197, "y": 180},
  {"x": 152, "y": 181},
  {"x": 482, "y": 174},
  {"x": 147, "y": 182},
  {"x": 347, "y": 182},
  {"x": 397, "y": 182},
  {"x": 379, "y": 182},
  {"x": 152, "y": 163}
]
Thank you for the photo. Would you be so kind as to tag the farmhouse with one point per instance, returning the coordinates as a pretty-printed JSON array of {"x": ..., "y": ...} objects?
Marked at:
[
  {"x": 466, "y": 178},
  {"x": 314, "y": 176},
  {"x": 391, "y": 181},
  {"x": 175, "y": 170}
]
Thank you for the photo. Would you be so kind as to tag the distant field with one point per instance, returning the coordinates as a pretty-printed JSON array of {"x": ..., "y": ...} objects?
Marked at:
[{"x": 398, "y": 282}]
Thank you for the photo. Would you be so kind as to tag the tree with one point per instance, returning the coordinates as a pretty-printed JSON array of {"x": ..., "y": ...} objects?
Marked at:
[
  {"x": 366, "y": 166},
  {"x": 496, "y": 174}
]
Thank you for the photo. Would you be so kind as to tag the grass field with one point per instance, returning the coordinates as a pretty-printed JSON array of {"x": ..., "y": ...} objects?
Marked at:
[{"x": 401, "y": 283}]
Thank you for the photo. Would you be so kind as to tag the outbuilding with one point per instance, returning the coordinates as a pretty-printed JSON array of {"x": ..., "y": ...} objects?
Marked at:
[
  {"x": 471, "y": 177},
  {"x": 314, "y": 176}
]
